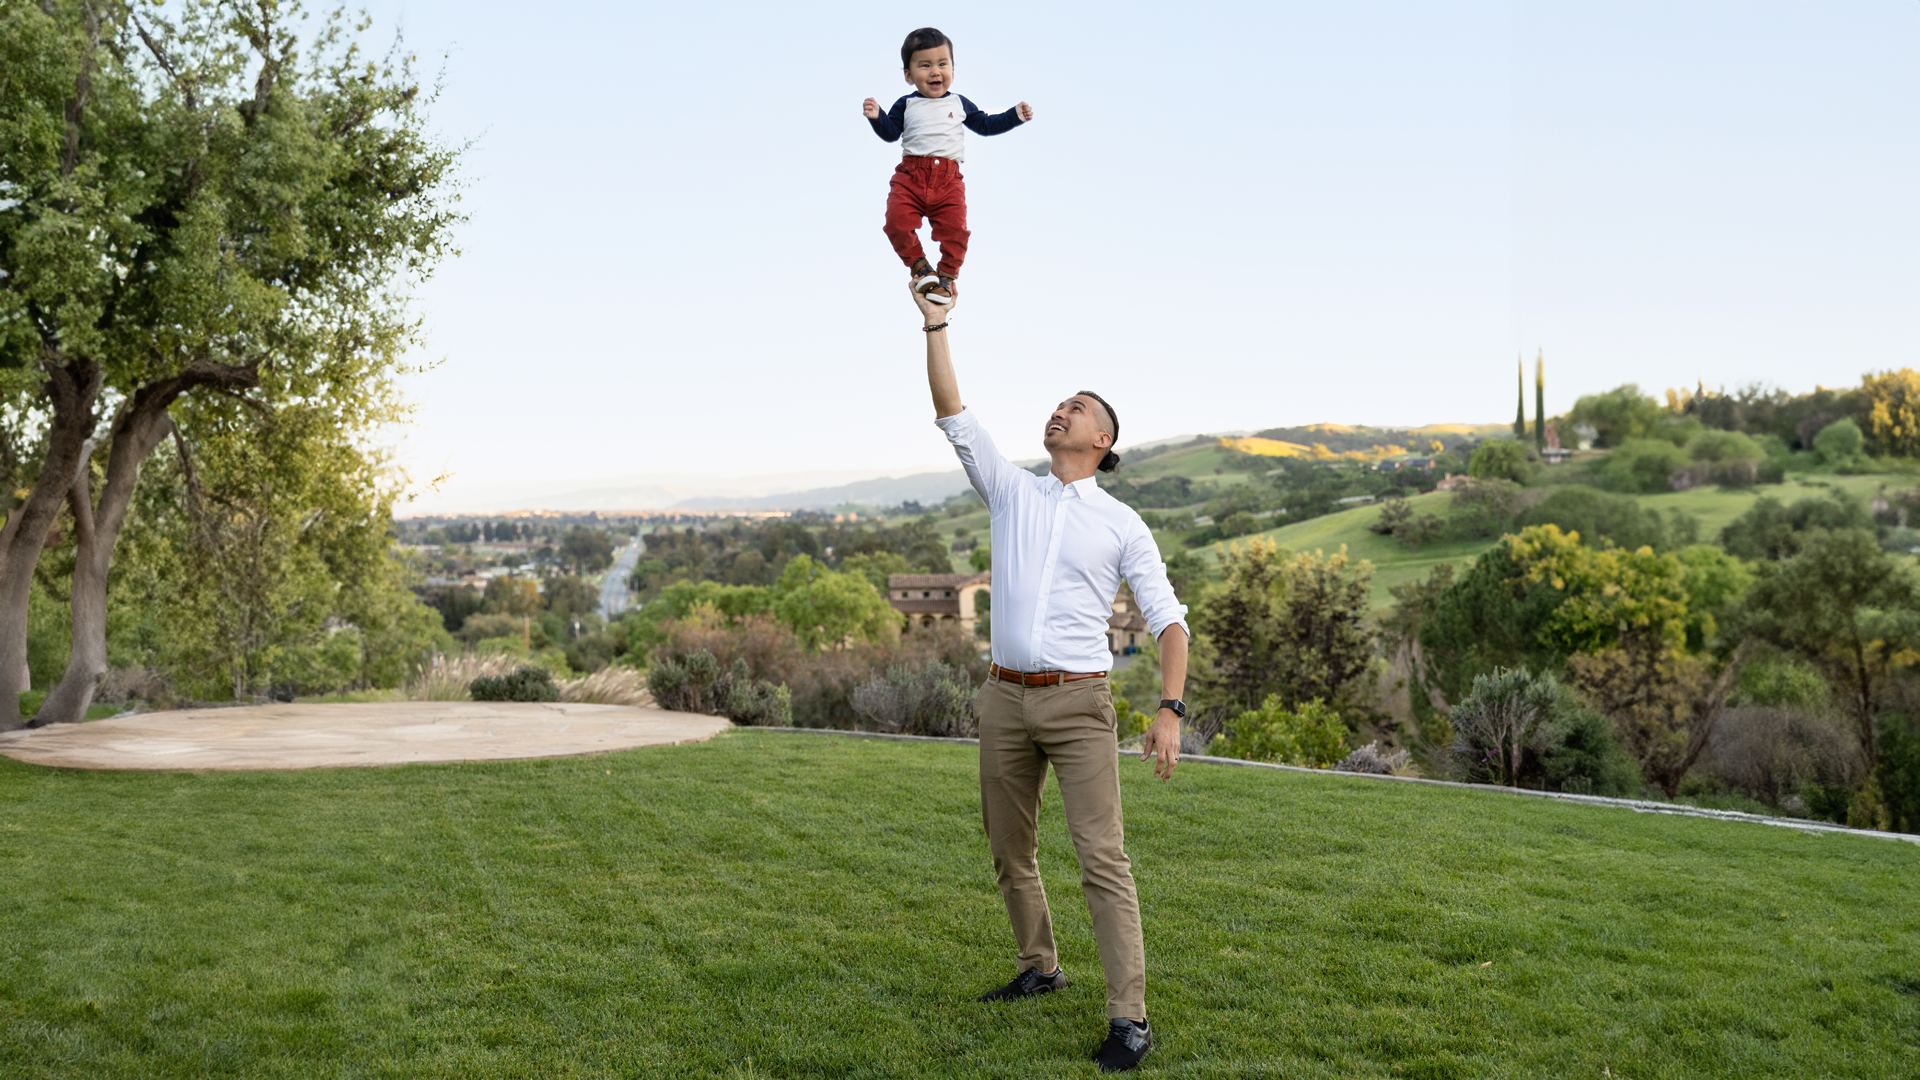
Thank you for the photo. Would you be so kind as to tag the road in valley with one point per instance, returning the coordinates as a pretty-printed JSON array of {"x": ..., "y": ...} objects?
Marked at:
[{"x": 613, "y": 587}]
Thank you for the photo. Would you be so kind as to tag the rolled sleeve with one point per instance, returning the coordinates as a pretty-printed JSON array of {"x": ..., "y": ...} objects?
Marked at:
[
  {"x": 987, "y": 469},
  {"x": 1146, "y": 575}
]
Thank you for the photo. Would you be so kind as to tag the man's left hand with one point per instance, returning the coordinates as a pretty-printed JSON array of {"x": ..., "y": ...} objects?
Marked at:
[{"x": 1163, "y": 743}]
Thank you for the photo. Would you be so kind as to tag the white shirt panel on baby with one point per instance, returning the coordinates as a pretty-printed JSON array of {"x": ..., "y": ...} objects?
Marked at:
[{"x": 935, "y": 127}]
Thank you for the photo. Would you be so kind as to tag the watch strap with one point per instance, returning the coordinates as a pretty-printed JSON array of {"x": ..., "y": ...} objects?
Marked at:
[{"x": 1179, "y": 707}]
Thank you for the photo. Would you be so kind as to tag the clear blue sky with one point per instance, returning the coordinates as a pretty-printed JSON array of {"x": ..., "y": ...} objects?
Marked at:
[{"x": 1224, "y": 216}]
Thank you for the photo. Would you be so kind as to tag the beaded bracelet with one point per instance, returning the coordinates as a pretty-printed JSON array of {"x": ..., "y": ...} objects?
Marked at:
[{"x": 936, "y": 326}]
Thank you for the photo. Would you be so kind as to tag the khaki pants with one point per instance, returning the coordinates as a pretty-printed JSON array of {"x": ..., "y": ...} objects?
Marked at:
[{"x": 1022, "y": 728}]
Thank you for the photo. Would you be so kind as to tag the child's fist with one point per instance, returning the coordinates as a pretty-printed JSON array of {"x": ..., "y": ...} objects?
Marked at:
[
  {"x": 1025, "y": 111},
  {"x": 871, "y": 108}
]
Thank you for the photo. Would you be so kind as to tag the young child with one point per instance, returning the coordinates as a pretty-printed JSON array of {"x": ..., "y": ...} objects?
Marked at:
[{"x": 927, "y": 182}]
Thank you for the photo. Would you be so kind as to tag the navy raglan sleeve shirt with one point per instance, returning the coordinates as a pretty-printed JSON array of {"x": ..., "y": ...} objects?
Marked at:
[
  {"x": 892, "y": 123},
  {"x": 980, "y": 122}
]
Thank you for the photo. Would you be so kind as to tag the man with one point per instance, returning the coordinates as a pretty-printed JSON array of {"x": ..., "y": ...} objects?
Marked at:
[{"x": 1060, "y": 548}]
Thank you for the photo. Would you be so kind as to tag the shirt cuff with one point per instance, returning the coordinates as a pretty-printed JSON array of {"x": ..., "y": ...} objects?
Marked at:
[
  {"x": 959, "y": 427},
  {"x": 1179, "y": 620}
]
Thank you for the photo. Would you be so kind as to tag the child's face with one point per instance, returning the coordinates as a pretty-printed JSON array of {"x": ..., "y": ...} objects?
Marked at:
[{"x": 931, "y": 71}]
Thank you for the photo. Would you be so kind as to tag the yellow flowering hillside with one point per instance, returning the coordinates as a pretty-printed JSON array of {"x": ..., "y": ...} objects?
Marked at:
[{"x": 1315, "y": 452}]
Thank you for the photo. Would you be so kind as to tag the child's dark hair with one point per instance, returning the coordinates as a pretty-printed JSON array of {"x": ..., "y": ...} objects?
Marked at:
[
  {"x": 924, "y": 38},
  {"x": 1112, "y": 460}
]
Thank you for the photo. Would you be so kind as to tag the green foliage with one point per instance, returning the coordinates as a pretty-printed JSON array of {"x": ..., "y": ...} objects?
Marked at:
[
  {"x": 1578, "y": 750},
  {"x": 225, "y": 225},
  {"x": 1499, "y": 721},
  {"x": 1293, "y": 626},
  {"x": 646, "y": 628},
  {"x": 1310, "y": 734},
  {"x": 1839, "y": 444},
  {"x": 1599, "y": 518},
  {"x": 878, "y": 566},
  {"x": 527, "y": 683},
  {"x": 588, "y": 550},
  {"x": 1412, "y": 530},
  {"x": 980, "y": 559},
  {"x": 1500, "y": 459},
  {"x": 1619, "y": 415},
  {"x": 1782, "y": 681},
  {"x": 933, "y": 700},
  {"x": 693, "y": 681},
  {"x": 1898, "y": 773},
  {"x": 1484, "y": 508},
  {"x": 570, "y": 597},
  {"x": 1641, "y": 465},
  {"x": 1771, "y": 530},
  {"x": 1495, "y": 615},
  {"x": 825, "y": 607},
  {"x": 1846, "y": 607}
]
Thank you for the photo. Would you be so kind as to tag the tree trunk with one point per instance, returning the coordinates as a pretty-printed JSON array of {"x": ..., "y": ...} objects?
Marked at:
[
  {"x": 138, "y": 428},
  {"x": 73, "y": 386},
  {"x": 136, "y": 431}
]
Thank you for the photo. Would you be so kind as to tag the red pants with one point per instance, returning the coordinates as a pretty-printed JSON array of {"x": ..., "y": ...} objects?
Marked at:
[{"x": 932, "y": 188}]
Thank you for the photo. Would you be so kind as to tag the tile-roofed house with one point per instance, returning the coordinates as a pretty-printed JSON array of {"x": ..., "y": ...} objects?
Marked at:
[
  {"x": 1126, "y": 627},
  {"x": 927, "y": 599}
]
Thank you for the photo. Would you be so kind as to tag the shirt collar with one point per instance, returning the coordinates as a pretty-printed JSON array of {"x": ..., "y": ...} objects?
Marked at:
[{"x": 1082, "y": 487}]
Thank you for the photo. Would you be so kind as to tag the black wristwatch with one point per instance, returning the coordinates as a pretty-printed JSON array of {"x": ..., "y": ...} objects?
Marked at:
[{"x": 1179, "y": 707}]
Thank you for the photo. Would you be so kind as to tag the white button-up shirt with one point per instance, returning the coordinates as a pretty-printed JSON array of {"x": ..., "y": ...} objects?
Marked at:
[{"x": 1059, "y": 552}]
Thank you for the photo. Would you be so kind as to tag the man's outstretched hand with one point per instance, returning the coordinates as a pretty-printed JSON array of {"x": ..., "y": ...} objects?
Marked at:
[
  {"x": 1163, "y": 743},
  {"x": 933, "y": 313}
]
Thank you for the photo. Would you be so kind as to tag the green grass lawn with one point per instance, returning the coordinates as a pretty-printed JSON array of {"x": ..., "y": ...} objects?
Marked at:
[{"x": 806, "y": 906}]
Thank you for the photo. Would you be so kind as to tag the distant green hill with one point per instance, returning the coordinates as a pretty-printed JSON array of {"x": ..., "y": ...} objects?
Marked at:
[{"x": 1394, "y": 565}]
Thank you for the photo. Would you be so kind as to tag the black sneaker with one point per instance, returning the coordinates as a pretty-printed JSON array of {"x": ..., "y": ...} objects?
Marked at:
[
  {"x": 1027, "y": 984},
  {"x": 1127, "y": 1042}
]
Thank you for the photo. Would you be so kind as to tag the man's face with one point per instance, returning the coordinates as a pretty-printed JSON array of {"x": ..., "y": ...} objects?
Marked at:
[
  {"x": 931, "y": 70},
  {"x": 1078, "y": 424}
]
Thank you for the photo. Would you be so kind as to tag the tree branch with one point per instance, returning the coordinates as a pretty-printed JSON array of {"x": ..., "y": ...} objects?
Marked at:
[
  {"x": 187, "y": 86},
  {"x": 82, "y": 89}
]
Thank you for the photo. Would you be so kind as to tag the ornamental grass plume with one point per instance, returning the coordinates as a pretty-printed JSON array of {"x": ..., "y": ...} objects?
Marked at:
[
  {"x": 611, "y": 685},
  {"x": 447, "y": 677}
]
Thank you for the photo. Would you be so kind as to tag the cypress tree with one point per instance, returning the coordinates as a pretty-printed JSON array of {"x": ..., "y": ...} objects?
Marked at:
[
  {"x": 1520, "y": 404},
  {"x": 1540, "y": 399}
]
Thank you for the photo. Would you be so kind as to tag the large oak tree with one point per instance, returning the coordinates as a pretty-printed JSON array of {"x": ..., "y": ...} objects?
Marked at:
[{"x": 196, "y": 202}]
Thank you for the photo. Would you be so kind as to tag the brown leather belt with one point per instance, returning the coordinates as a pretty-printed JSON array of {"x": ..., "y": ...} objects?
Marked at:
[{"x": 1042, "y": 678}]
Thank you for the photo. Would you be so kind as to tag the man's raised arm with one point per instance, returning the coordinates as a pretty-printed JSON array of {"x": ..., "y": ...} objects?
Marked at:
[{"x": 940, "y": 378}]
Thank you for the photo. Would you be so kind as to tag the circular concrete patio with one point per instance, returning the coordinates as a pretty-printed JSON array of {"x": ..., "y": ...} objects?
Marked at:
[{"x": 331, "y": 736}]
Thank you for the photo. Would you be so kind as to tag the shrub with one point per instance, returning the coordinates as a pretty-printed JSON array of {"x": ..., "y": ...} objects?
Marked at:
[
  {"x": 529, "y": 682},
  {"x": 1839, "y": 444},
  {"x": 694, "y": 682},
  {"x": 1579, "y": 751},
  {"x": 1772, "y": 530},
  {"x": 1484, "y": 508},
  {"x": 1642, "y": 465},
  {"x": 1597, "y": 516},
  {"x": 1774, "y": 752},
  {"x": 683, "y": 681},
  {"x": 1312, "y": 735},
  {"x": 1371, "y": 758},
  {"x": 936, "y": 700},
  {"x": 1499, "y": 721},
  {"x": 1499, "y": 459},
  {"x": 1899, "y": 773}
]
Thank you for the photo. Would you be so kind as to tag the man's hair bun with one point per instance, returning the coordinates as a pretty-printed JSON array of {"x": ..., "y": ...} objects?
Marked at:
[{"x": 1110, "y": 462}]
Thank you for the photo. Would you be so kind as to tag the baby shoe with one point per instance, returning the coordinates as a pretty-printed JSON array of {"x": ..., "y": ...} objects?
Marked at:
[{"x": 940, "y": 292}]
